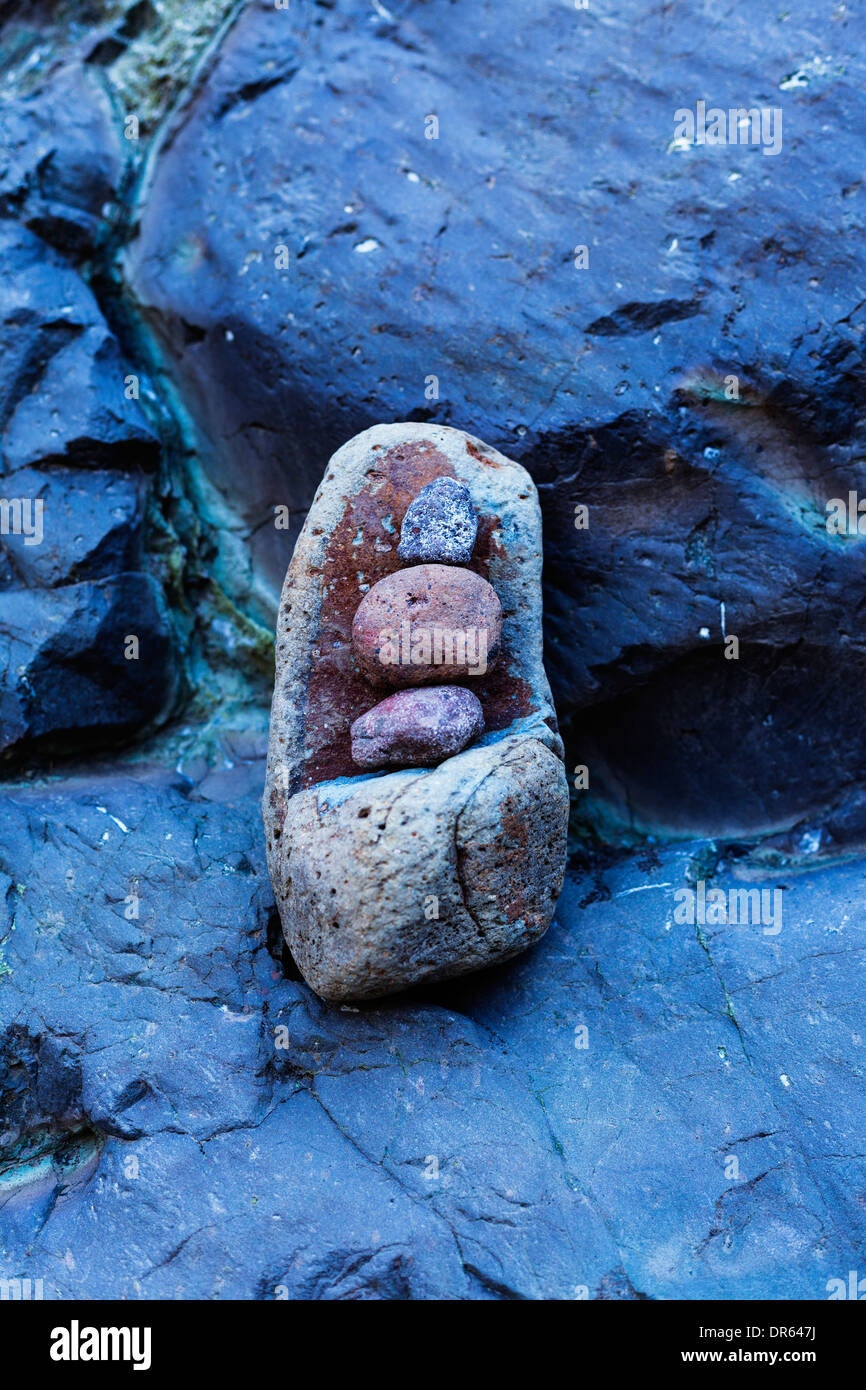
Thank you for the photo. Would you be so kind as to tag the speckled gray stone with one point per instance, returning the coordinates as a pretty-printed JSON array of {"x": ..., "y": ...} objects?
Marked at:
[
  {"x": 417, "y": 728},
  {"x": 440, "y": 525}
]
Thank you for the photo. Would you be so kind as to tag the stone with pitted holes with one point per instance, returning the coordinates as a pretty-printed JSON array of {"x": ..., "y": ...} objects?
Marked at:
[
  {"x": 417, "y": 728},
  {"x": 440, "y": 525},
  {"x": 428, "y": 623},
  {"x": 416, "y": 874}
]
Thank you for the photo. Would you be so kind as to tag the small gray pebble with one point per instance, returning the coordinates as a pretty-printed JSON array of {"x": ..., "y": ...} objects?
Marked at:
[{"x": 440, "y": 525}]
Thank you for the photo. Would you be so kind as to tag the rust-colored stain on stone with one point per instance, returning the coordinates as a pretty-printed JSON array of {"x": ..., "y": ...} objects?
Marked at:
[
  {"x": 362, "y": 551},
  {"x": 515, "y": 844},
  {"x": 473, "y": 449}
]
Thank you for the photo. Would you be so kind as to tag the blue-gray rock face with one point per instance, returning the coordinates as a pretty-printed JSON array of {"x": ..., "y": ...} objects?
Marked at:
[
  {"x": 441, "y": 223},
  {"x": 64, "y": 389},
  {"x": 61, "y": 161},
  {"x": 637, "y": 1107},
  {"x": 357, "y": 214},
  {"x": 86, "y": 651},
  {"x": 84, "y": 664}
]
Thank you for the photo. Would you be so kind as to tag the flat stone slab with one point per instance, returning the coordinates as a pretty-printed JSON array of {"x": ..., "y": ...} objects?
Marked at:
[{"x": 557, "y": 1128}]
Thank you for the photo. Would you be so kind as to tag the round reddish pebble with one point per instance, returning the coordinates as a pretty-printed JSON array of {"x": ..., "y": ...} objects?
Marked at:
[
  {"x": 417, "y": 728},
  {"x": 428, "y": 623}
]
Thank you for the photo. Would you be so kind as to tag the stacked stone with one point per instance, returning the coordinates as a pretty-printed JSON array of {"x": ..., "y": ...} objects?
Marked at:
[{"x": 434, "y": 621}]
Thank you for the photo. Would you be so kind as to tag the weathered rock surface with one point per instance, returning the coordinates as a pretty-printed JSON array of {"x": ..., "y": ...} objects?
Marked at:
[
  {"x": 77, "y": 411},
  {"x": 63, "y": 383},
  {"x": 430, "y": 622},
  {"x": 440, "y": 526},
  {"x": 60, "y": 163},
  {"x": 91, "y": 527},
  {"x": 68, "y": 673},
  {"x": 417, "y": 727},
  {"x": 435, "y": 278},
  {"x": 74, "y": 580},
  {"x": 160, "y": 1076},
  {"x": 414, "y": 875}
]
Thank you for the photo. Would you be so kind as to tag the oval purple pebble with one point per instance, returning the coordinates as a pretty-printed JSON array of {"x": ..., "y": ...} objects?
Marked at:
[{"x": 417, "y": 728}]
